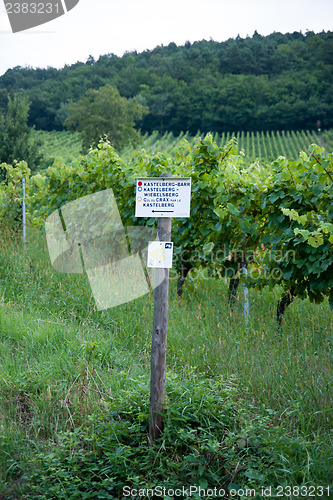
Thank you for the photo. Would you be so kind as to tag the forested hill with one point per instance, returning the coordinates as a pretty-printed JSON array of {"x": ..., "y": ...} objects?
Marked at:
[{"x": 258, "y": 83}]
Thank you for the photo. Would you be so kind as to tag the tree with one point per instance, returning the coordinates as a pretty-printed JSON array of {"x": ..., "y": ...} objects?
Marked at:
[
  {"x": 104, "y": 112},
  {"x": 16, "y": 142}
]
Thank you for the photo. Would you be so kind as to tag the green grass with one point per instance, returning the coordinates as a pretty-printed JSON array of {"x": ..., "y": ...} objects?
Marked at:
[
  {"x": 66, "y": 368},
  {"x": 265, "y": 146}
]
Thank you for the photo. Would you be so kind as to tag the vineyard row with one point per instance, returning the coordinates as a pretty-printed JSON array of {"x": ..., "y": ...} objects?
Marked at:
[{"x": 265, "y": 146}]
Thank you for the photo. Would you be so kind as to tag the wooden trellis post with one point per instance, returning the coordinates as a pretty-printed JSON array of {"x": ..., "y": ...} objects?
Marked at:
[{"x": 23, "y": 212}]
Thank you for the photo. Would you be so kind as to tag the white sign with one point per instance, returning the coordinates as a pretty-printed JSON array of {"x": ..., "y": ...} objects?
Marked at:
[
  {"x": 160, "y": 254},
  {"x": 163, "y": 197}
]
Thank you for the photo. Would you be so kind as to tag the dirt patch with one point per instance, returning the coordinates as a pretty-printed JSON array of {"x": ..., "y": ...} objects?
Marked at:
[{"x": 24, "y": 409}]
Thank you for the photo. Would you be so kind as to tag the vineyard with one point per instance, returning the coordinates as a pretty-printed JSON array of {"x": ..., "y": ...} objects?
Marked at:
[
  {"x": 265, "y": 146},
  {"x": 254, "y": 211},
  {"x": 249, "y": 397},
  {"x": 63, "y": 146},
  {"x": 284, "y": 206}
]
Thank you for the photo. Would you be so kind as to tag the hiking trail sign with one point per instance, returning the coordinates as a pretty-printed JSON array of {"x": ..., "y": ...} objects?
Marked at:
[{"x": 163, "y": 197}]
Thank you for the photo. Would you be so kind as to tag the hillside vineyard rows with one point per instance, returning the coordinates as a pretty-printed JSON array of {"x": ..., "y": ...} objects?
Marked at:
[{"x": 264, "y": 146}]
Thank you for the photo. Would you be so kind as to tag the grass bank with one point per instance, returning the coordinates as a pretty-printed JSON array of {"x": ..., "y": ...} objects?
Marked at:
[{"x": 246, "y": 408}]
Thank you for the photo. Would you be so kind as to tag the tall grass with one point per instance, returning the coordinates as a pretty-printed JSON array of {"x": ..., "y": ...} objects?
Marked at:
[{"x": 62, "y": 360}]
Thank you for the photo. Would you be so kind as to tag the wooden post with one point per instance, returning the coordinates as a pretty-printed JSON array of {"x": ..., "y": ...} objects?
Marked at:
[
  {"x": 159, "y": 340},
  {"x": 245, "y": 294},
  {"x": 244, "y": 272},
  {"x": 23, "y": 213}
]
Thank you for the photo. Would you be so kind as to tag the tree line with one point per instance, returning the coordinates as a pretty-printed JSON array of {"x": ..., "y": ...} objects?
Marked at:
[{"x": 274, "y": 82}]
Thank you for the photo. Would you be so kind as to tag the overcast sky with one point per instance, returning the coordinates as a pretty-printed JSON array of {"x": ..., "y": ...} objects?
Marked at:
[{"x": 97, "y": 27}]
